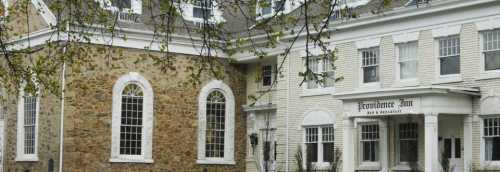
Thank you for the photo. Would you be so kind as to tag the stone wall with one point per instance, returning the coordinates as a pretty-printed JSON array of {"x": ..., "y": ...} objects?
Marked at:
[{"x": 88, "y": 112}]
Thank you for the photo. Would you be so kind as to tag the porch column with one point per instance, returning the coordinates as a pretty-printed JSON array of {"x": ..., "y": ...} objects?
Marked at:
[
  {"x": 431, "y": 143},
  {"x": 384, "y": 145},
  {"x": 467, "y": 142},
  {"x": 348, "y": 146}
]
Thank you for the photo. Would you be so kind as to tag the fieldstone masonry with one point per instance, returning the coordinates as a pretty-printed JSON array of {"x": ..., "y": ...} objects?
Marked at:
[{"x": 88, "y": 111}]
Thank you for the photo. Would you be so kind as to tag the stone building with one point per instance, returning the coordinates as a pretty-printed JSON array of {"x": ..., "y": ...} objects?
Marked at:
[{"x": 421, "y": 84}]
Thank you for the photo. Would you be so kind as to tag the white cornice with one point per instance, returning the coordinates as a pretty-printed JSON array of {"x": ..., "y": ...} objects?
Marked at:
[{"x": 45, "y": 12}]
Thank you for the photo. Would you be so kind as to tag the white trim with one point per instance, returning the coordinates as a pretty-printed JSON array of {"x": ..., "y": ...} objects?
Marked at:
[
  {"x": 186, "y": 9},
  {"x": 216, "y": 85},
  {"x": 488, "y": 24},
  {"x": 45, "y": 12},
  {"x": 446, "y": 31},
  {"x": 148, "y": 117},
  {"x": 485, "y": 165},
  {"x": 367, "y": 43},
  {"x": 484, "y": 74},
  {"x": 135, "y": 6},
  {"x": 20, "y": 155},
  {"x": 449, "y": 78},
  {"x": 408, "y": 81},
  {"x": 370, "y": 85},
  {"x": 405, "y": 37}
]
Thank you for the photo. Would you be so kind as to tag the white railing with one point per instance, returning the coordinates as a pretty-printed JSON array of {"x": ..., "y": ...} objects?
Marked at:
[{"x": 128, "y": 17}]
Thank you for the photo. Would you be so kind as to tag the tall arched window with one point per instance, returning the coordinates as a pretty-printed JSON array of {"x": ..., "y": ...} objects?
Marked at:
[
  {"x": 132, "y": 122},
  {"x": 216, "y": 124},
  {"x": 216, "y": 114}
]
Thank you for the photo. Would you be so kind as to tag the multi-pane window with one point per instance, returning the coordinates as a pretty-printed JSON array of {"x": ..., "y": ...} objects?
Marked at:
[
  {"x": 131, "y": 120},
  {"x": 408, "y": 142},
  {"x": 312, "y": 144},
  {"x": 491, "y": 132},
  {"x": 449, "y": 55},
  {"x": 322, "y": 68},
  {"x": 267, "y": 75},
  {"x": 369, "y": 142},
  {"x": 319, "y": 143},
  {"x": 202, "y": 9},
  {"x": 491, "y": 50},
  {"x": 269, "y": 7},
  {"x": 122, "y": 4},
  {"x": 328, "y": 143},
  {"x": 29, "y": 124},
  {"x": 407, "y": 60},
  {"x": 215, "y": 125},
  {"x": 370, "y": 64}
]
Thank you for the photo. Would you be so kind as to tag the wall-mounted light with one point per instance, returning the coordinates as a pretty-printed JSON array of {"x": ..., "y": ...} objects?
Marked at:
[{"x": 254, "y": 141}]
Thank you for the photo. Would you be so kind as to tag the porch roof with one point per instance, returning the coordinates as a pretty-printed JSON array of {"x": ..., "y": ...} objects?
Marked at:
[{"x": 406, "y": 91}]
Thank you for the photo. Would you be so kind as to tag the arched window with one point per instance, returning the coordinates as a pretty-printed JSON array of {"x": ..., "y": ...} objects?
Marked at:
[
  {"x": 216, "y": 124},
  {"x": 216, "y": 114},
  {"x": 319, "y": 137},
  {"x": 132, "y": 123}
]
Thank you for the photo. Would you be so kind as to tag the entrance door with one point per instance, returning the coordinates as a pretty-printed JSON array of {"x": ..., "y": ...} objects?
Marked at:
[{"x": 451, "y": 148}]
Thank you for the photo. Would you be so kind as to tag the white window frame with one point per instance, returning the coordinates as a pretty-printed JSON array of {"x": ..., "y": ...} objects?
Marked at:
[
  {"x": 187, "y": 8},
  {"x": 369, "y": 85},
  {"x": 398, "y": 145},
  {"x": 449, "y": 77},
  {"x": 320, "y": 90},
  {"x": 273, "y": 12},
  {"x": 368, "y": 164},
  {"x": 228, "y": 159},
  {"x": 407, "y": 81},
  {"x": 486, "y": 74},
  {"x": 321, "y": 163},
  {"x": 273, "y": 77},
  {"x": 21, "y": 156},
  {"x": 147, "y": 119},
  {"x": 136, "y": 6},
  {"x": 484, "y": 164}
]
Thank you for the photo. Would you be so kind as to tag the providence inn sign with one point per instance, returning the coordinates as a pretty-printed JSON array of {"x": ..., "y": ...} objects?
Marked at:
[{"x": 390, "y": 106}]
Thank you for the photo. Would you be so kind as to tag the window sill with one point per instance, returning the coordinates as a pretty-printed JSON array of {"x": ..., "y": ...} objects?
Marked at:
[
  {"x": 130, "y": 160},
  {"x": 317, "y": 92},
  {"x": 215, "y": 161},
  {"x": 369, "y": 86},
  {"x": 370, "y": 166},
  {"x": 33, "y": 158},
  {"x": 448, "y": 79},
  {"x": 406, "y": 83},
  {"x": 485, "y": 75},
  {"x": 490, "y": 165}
]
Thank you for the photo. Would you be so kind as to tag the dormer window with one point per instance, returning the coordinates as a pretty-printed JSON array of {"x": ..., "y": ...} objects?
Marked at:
[
  {"x": 199, "y": 11},
  {"x": 122, "y": 6},
  {"x": 267, "y": 8},
  {"x": 203, "y": 9}
]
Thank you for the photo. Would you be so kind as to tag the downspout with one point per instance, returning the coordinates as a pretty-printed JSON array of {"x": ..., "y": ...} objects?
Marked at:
[
  {"x": 287, "y": 114},
  {"x": 61, "y": 129}
]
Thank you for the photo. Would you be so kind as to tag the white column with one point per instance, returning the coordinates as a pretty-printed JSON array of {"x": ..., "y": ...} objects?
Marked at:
[
  {"x": 468, "y": 142},
  {"x": 348, "y": 146},
  {"x": 384, "y": 145},
  {"x": 431, "y": 143}
]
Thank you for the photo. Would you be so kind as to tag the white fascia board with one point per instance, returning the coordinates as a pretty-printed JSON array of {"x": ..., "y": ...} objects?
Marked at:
[
  {"x": 45, "y": 12},
  {"x": 134, "y": 39}
]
